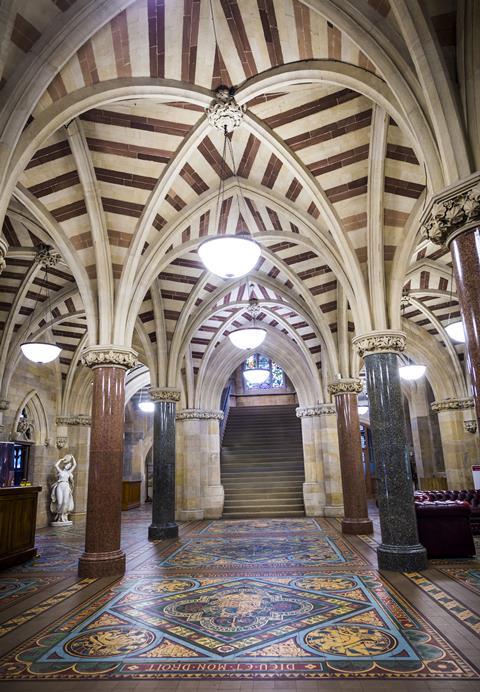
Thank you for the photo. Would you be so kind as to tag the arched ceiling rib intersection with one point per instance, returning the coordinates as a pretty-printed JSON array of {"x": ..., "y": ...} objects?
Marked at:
[{"x": 128, "y": 188}]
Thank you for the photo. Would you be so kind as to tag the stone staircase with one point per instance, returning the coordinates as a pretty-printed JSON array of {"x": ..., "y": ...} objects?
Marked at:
[{"x": 262, "y": 463}]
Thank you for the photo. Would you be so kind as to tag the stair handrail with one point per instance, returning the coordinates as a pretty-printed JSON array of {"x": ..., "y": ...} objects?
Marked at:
[{"x": 225, "y": 407}]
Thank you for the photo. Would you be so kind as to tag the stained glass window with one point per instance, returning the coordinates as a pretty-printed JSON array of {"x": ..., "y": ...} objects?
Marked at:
[{"x": 276, "y": 376}]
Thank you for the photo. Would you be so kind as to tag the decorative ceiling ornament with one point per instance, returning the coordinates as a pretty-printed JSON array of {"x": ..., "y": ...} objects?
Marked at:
[
  {"x": 229, "y": 255},
  {"x": 224, "y": 113},
  {"x": 41, "y": 351}
]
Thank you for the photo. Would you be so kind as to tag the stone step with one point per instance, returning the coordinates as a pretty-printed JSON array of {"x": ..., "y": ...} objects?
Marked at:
[{"x": 259, "y": 514}]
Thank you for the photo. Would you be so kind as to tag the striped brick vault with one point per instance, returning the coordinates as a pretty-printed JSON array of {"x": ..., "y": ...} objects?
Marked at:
[{"x": 325, "y": 130}]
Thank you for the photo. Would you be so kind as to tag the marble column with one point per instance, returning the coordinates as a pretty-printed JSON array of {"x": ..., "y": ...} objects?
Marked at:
[
  {"x": 452, "y": 218},
  {"x": 460, "y": 440},
  {"x": 163, "y": 491},
  {"x": 399, "y": 549},
  {"x": 103, "y": 556},
  {"x": 356, "y": 519}
]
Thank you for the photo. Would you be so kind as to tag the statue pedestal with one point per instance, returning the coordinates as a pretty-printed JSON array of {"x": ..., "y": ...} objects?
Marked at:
[{"x": 60, "y": 524}]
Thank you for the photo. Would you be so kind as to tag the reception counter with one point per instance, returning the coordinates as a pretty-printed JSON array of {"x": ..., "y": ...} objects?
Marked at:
[{"x": 18, "y": 513}]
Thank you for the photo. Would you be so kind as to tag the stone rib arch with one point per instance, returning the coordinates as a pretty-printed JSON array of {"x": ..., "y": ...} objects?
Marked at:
[
  {"x": 281, "y": 349},
  {"x": 209, "y": 308}
]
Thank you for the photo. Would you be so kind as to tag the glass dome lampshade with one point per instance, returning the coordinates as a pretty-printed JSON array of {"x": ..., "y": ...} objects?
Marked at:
[
  {"x": 229, "y": 256},
  {"x": 40, "y": 352},
  {"x": 411, "y": 372},
  {"x": 456, "y": 331},
  {"x": 146, "y": 406},
  {"x": 362, "y": 409},
  {"x": 256, "y": 375},
  {"x": 248, "y": 338}
]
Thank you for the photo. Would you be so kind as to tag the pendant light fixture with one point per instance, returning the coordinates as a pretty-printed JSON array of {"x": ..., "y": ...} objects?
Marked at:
[
  {"x": 456, "y": 331},
  {"x": 42, "y": 351},
  {"x": 256, "y": 375},
  {"x": 147, "y": 406},
  {"x": 249, "y": 338},
  {"x": 228, "y": 256},
  {"x": 411, "y": 372}
]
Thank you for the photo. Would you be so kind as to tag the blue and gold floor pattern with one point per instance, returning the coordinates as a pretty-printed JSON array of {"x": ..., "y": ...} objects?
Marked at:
[{"x": 257, "y": 600}]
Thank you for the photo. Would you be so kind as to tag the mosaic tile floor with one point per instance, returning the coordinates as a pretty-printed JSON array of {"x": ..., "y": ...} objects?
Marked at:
[{"x": 236, "y": 601}]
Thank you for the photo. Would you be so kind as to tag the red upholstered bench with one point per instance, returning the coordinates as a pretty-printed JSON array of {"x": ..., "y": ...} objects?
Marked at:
[
  {"x": 470, "y": 496},
  {"x": 444, "y": 528}
]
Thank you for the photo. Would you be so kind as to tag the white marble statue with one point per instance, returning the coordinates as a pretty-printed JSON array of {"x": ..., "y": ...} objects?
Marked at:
[{"x": 61, "y": 493}]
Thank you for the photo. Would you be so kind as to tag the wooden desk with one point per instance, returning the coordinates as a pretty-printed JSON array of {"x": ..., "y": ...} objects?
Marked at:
[
  {"x": 18, "y": 515},
  {"x": 131, "y": 494}
]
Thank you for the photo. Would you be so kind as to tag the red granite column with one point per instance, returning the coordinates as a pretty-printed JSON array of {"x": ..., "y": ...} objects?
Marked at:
[
  {"x": 356, "y": 518},
  {"x": 465, "y": 249},
  {"x": 103, "y": 556},
  {"x": 452, "y": 218}
]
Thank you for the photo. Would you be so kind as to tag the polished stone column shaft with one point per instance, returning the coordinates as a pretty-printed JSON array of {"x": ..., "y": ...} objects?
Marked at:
[
  {"x": 355, "y": 520},
  {"x": 400, "y": 549},
  {"x": 163, "y": 489},
  {"x": 103, "y": 556},
  {"x": 452, "y": 218},
  {"x": 465, "y": 249}
]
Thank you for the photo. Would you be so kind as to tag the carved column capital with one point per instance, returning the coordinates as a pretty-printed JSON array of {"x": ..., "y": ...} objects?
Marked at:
[
  {"x": 4, "y": 404},
  {"x": 109, "y": 356},
  {"x": 454, "y": 210},
  {"x": 387, "y": 341},
  {"x": 452, "y": 404},
  {"x": 77, "y": 419},
  {"x": 345, "y": 386},
  {"x": 198, "y": 414},
  {"x": 316, "y": 410},
  {"x": 3, "y": 253},
  {"x": 165, "y": 394}
]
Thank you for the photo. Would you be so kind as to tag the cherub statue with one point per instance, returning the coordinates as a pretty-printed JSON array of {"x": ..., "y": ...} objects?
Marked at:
[{"x": 61, "y": 493}]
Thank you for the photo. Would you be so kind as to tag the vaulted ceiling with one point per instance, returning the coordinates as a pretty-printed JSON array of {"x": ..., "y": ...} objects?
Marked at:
[{"x": 111, "y": 160}]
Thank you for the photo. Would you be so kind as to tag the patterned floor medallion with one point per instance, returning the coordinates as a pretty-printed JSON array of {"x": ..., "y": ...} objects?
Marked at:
[
  {"x": 306, "y": 550},
  {"x": 13, "y": 589},
  {"x": 244, "y": 628}
]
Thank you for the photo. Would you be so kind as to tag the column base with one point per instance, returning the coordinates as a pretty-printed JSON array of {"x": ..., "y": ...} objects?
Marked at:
[
  {"x": 189, "y": 514},
  {"x": 402, "y": 558},
  {"x": 102, "y": 564},
  {"x": 333, "y": 511},
  {"x": 357, "y": 526},
  {"x": 156, "y": 532}
]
